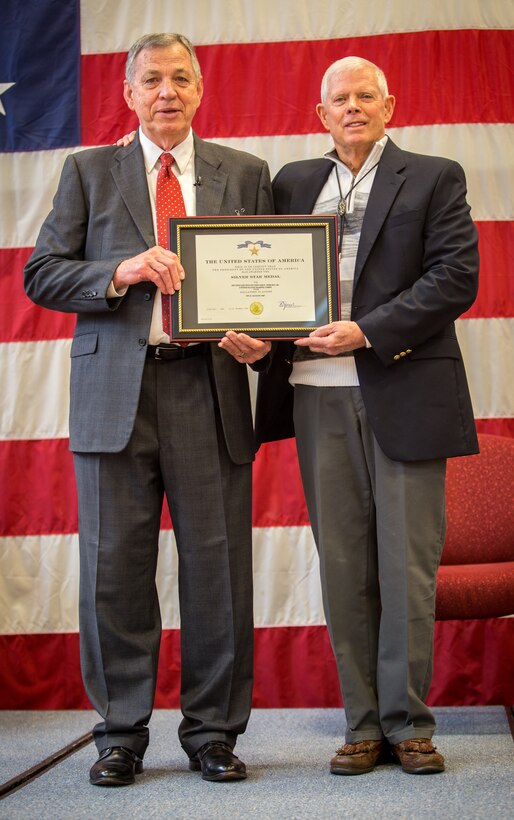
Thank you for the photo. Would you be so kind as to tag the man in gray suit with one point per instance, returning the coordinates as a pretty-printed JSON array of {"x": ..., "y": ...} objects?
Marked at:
[
  {"x": 148, "y": 418},
  {"x": 380, "y": 402}
]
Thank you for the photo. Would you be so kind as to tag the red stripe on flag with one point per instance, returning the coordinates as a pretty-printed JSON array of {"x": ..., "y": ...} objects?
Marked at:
[
  {"x": 22, "y": 321},
  {"x": 496, "y": 282},
  {"x": 294, "y": 668},
  {"x": 278, "y": 499},
  {"x": 272, "y": 88},
  {"x": 41, "y": 672},
  {"x": 104, "y": 113},
  {"x": 40, "y": 497}
]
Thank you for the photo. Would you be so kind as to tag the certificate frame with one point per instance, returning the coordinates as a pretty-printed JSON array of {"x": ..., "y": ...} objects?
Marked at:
[{"x": 248, "y": 270}]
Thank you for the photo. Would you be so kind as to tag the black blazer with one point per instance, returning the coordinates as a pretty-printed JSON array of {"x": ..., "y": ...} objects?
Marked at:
[{"x": 416, "y": 272}]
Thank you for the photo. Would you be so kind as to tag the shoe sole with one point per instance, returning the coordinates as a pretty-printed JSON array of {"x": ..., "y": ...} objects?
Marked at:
[
  {"x": 427, "y": 769},
  {"x": 195, "y": 766},
  {"x": 424, "y": 770},
  {"x": 350, "y": 772},
  {"x": 227, "y": 777},
  {"x": 107, "y": 781}
]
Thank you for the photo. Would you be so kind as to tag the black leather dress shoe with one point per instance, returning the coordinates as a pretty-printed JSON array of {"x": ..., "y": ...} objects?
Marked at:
[
  {"x": 217, "y": 762},
  {"x": 116, "y": 766}
]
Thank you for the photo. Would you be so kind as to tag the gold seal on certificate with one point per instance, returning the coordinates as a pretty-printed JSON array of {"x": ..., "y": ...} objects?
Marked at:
[{"x": 270, "y": 277}]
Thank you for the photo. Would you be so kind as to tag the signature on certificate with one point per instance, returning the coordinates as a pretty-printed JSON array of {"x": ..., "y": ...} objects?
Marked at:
[{"x": 285, "y": 305}]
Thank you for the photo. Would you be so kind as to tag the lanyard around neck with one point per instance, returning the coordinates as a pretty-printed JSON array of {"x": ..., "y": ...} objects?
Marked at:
[{"x": 342, "y": 204}]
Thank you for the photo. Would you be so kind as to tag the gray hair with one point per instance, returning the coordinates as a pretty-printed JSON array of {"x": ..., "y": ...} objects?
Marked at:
[
  {"x": 353, "y": 64},
  {"x": 160, "y": 41}
]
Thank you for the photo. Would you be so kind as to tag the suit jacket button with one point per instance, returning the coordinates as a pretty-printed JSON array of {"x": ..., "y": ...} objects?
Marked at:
[
  {"x": 403, "y": 353},
  {"x": 396, "y": 358},
  {"x": 142, "y": 342},
  {"x": 408, "y": 350},
  {"x": 147, "y": 296}
]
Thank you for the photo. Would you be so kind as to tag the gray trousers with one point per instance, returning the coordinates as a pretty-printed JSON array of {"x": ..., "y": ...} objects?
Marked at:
[
  {"x": 176, "y": 448},
  {"x": 379, "y": 526}
]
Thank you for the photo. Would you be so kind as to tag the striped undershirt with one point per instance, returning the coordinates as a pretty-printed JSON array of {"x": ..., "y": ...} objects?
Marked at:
[{"x": 318, "y": 369}]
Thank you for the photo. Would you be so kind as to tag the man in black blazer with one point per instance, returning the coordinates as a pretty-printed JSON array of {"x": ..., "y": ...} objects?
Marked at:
[
  {"x": 148, "y": 418},
  {"x": 380, "y": 402}
]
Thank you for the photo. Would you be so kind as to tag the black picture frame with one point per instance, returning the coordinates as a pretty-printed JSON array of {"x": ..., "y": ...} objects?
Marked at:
[{"x": 258, "y": 279}]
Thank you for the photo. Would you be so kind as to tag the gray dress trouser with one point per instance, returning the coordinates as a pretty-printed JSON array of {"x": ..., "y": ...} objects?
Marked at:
[
  {"x": 176, "y": 448},
  {"x": 379, "y": 526}
]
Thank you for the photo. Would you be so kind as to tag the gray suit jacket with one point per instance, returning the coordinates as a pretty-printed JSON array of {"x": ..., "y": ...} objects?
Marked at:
[
  {"x": 416, "y": 272},
  {"x": 101, "y": 215}
]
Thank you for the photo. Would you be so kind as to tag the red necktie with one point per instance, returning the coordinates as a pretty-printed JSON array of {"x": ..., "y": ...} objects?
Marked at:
[{"x": 168, "y": 202}]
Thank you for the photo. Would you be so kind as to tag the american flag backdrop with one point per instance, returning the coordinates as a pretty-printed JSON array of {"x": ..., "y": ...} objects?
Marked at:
[{"x": 450, "y": 66}]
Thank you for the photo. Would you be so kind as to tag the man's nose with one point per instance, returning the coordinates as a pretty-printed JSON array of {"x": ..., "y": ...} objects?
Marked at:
[
  {"x": 353, "y": 102},
  {"x": 167, "y": 88}
]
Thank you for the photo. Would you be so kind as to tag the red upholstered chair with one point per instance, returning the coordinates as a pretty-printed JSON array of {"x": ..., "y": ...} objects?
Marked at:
[{"x": 476, "y": 576}]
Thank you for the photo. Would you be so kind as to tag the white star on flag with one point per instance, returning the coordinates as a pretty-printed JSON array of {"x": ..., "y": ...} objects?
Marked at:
[{"x": 4, "y": 87}]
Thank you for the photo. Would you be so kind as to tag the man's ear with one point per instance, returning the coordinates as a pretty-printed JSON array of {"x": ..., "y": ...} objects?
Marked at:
[
  {"x": 320, "y": 111},
  {"x": 389, "y": 102},
  {"x": 127, "y": 95}
]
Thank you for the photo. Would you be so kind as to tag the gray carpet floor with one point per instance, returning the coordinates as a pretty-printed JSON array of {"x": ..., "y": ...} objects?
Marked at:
[{"x": 286, "y": 752}]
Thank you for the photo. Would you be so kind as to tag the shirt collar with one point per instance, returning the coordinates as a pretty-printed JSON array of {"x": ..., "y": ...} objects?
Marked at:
[
  {"x": 372, "y": 158},
  {"x": 181, "y": 153}
]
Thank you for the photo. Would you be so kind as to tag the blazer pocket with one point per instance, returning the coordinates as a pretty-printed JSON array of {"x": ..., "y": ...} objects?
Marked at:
[
  {"x": 84, "y": 345},
  {"x": 403, "y": 218}
]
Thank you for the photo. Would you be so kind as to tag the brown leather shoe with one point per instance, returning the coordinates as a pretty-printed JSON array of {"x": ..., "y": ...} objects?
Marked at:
[
  {"x": 357, "y": 758},
  {"x": 418, "y": 756}
]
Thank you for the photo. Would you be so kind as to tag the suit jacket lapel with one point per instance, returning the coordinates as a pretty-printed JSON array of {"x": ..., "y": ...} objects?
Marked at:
[
  {"x": 386, "y": 186},
  {"x": 129, "y": 174},
  {"x": 303, "y": 197},
  {"x": 209, "y": 195}
]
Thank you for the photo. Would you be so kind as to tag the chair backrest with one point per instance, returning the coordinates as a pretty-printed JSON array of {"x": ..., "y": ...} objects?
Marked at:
[{"x": 480, "y": 504}]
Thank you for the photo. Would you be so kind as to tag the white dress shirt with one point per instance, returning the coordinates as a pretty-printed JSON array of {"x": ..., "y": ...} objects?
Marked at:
[{"x": 184, "y": 169}]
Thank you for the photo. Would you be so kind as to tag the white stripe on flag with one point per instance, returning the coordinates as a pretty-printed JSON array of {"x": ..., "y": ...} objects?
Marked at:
[
  {"x": 487, "y": 347},
  {"x": 245, "y": 21},
  {"x": 28, "y": 180},
  {"x": 34, "y": 401},
  {"x": 39, "y": 577}
]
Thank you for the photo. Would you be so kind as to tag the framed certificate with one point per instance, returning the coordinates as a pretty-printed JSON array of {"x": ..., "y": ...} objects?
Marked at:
[{"x": 270, "y": 277}]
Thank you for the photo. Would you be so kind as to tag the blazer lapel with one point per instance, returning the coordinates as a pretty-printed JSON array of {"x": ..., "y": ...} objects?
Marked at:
[
  {"x": 386, "y": 186},
  {"x": 129, "y": 174},
  {"x": 209, "y": 195},
  {"x": 304, "y": 196}
]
